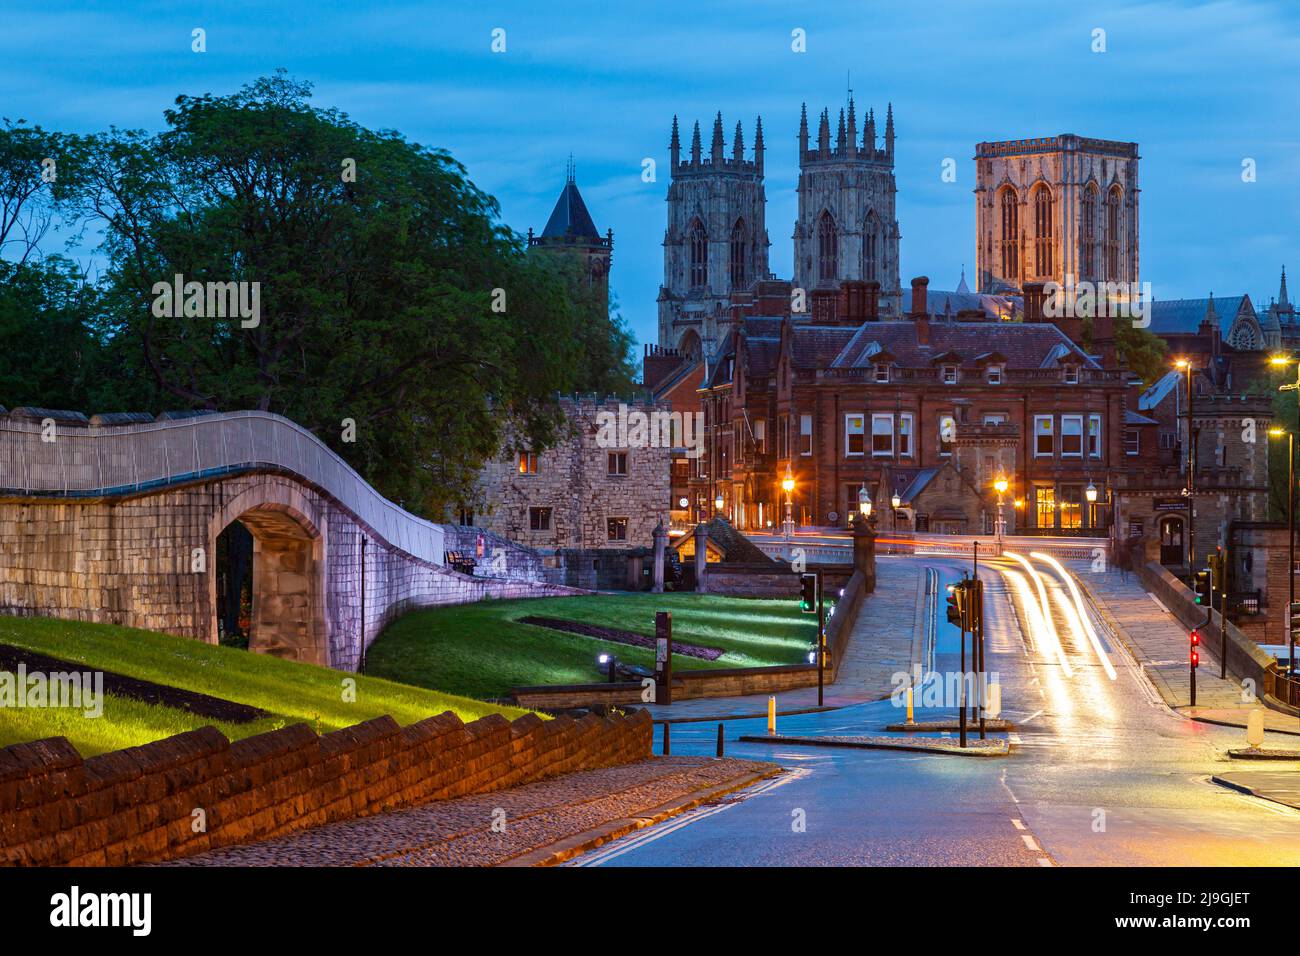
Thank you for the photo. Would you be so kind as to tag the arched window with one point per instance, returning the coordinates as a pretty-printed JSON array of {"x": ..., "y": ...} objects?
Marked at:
[
  {"x": 871, "y": 248},
  {"x": 827, "y": 248},
  {"x": 1010, "y": 234},
  {"x": 1112, "y": 235},
  {"x": 1088, "y": 234},
  {"x": 1043, "y": 231},
  {"x": 738, "y": 276},
  {"x": 699, "y": 242}
]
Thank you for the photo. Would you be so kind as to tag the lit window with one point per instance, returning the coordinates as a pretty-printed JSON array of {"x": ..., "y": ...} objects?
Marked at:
[
  {"x": 853, "y": 426},
  {"x": 616, "y": 529},
  {"x": 539, "y": 519},
  {"x": 1044, "y": 446},
  {"x": 1071, "y": 506},
  {"x": 882, "y": 436},
  {"x": 527, "y": 463},
  {"x": 1071, "y": 436}
]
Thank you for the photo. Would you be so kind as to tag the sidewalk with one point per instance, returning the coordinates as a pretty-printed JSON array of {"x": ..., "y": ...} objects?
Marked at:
[
  {"x": 885, "y": 639},
  {"x": 1279, "y": 786},
  {"x": 537, "y": 824},
  {"x": 1160, "y": 645}
]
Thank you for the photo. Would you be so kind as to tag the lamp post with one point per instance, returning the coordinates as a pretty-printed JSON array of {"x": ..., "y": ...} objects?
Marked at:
[
  {"x": 864, "y": 502},
  {"x": 896, "y": 502},
  {"x": 1190, "y": 491},
  {"x": 1290, "y": 540},
  {"x": 718, "y": 503},
  {"x": 1091, "y": 494},
  {"x": 787, "y": 484},
  {"x": 1001, "y": 486}
]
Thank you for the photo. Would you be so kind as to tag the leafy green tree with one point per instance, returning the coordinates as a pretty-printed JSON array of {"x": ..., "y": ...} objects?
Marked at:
[
  {"x": 390, "y": 295},
  {"x": 1142, "y": 352}
]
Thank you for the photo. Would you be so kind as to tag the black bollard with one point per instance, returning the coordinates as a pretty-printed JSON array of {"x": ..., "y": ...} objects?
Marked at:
[
  {"x": 668, "y": 743},
  {"x": 719, "y": 740}
]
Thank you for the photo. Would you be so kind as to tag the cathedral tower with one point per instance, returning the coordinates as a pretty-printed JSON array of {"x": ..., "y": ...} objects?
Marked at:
[
  {"x": 847, "y": 228},
  {"x": 570, "y": 230},
  {"x": 716, "y": 241}
]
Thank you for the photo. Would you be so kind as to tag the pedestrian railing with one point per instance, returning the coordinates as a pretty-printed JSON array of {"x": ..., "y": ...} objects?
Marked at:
[{"x": 54, "y": 459}]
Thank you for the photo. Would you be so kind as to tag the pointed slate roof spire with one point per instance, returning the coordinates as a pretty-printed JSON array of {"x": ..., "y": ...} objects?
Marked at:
[
  {"x": 570, "y": 218},
  {"x": 1281, "y": 295},
  {"x": 961, "y": 286},
  {"x": 716, "y": 150}
]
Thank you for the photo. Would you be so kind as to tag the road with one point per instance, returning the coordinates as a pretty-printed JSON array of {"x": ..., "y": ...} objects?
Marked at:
[{"x": 1101, "y": 773}]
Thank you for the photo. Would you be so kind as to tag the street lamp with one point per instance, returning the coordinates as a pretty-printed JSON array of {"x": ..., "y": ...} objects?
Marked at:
[
  {"x": 896, "y": 502},
  {"x": 1290, "y": 539},
  {"x": 718, "y": 502},
  {"x": 864, "y": 501},
  {"x": 1000, "y": 486},
  {"x": 787, "y": 484},
  {"x": 1185, "y": 365}
]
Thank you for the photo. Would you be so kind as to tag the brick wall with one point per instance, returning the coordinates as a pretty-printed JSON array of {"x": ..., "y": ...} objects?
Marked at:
[{"x": 139, "y": 805}]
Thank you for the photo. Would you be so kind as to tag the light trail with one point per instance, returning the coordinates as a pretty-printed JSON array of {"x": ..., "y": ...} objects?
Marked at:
[
  {"x": 1060, "y": 700},
  {"x": 1049, "y": 626},
  {"x": 1081, "y": 610}
]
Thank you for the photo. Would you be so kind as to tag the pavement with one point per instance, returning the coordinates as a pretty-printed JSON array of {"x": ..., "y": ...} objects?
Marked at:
[
  {"x": 536, "y": 824},
  {"x": 885, "y": 639},
  {"x": 1160, "y": 644},
  {"x": 1280, "y": 787}
]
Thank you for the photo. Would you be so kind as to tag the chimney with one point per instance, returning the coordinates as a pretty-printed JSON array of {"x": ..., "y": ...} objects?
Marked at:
[
  {"x": 823, "y": 306},
  {"x": 873, "y": 301},
  {"x": 855, "y": 301},
  {"x": 919, "y": 285},
  {"x": 1103, "y": 337},
  {"x": 1033, "y": 301}
]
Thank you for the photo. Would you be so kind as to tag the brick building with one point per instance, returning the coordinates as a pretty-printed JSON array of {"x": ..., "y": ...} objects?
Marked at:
[{"x": 931, "y": 408}]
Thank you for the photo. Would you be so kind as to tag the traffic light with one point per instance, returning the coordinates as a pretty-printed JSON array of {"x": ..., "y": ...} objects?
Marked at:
[
  {"x": 1202, "y": 588},
  {"x": 808, "y": 593},
  {"x": 1218, "y": 571},
  {"x": 1195, "y": 638},
  {"x": 955, "y": 593}
]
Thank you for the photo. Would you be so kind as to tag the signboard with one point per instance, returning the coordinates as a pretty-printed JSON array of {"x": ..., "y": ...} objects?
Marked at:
[
  {"x": 663, "y": 657},
  {"x": 1170, "y": 504}
]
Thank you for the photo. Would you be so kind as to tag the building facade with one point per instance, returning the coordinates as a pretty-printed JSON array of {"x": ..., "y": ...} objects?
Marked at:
[{"x": 1056, "y": 209}]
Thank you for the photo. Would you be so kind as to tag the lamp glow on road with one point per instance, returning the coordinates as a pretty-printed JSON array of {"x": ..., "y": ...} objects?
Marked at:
[{"x": 1081, "y": 611}]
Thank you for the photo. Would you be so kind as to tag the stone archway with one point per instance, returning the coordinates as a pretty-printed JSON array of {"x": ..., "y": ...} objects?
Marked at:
[{"x": 288, "y": 617}]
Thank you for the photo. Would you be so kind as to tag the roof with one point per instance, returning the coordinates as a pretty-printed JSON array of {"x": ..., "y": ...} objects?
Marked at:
[
  {"x": 1184, "y": 315},
  {"x": 1154, "y": 395},
  {"x": 735, "y": 547},
  {"x": 1025, "y": 346},
  {"x": 570, "y": 216},
  {"x": 1133, "y": 418},
  {"x": 911, "y": 482},
  {"x": 941, "y": 301}
]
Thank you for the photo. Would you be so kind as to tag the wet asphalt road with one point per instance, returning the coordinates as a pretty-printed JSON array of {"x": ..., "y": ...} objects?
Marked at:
[{"x": 1101, "y": 773}]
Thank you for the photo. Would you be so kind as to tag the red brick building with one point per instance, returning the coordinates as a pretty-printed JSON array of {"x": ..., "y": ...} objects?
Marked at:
[{"x": 931, "y": 408}]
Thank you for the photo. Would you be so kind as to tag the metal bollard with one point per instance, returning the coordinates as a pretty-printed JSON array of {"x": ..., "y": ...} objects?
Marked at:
[
  {"x": 719, "y": 740},
  {"x": 909, "y": 706},
  {"x": 771, "y": 715},
  {"x": 668, "y": 740}
]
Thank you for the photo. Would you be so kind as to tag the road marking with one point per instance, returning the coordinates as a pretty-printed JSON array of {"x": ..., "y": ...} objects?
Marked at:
[
  {"x": 1037, "y": 713},
  {"x": 658, "y": 831},
  {"x": 1018, "y": 824},
  {"x": 1013, "y": 738},
  {"x": 1044, "y": 861},
  {"x": 1029, "y": 842}
]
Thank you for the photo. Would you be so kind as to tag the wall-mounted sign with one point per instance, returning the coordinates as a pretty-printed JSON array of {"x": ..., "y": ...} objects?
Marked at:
[{"x": 1170, "y": 504}]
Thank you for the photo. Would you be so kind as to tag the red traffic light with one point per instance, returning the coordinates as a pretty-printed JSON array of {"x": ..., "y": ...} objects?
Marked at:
[
  {"x": 1196, "y": 659},
  {"x": 1196, "y": 638}
]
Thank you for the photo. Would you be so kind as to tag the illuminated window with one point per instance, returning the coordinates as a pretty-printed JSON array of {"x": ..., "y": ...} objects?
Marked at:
[
  {"x": 1044, "y": 444},
  {"x": 1071, "y": 506},
  {"x": 853, "y": 434},
  {"x": 616, "y": 529},
  {"x": 1044, "y": 507},
  {"x": 527, "y": 463}
]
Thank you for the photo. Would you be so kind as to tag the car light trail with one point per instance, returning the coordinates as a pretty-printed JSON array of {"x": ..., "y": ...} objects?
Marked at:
[
  {"x": 1049, "y": 626},
  {"x": 1081, "y": 610}
]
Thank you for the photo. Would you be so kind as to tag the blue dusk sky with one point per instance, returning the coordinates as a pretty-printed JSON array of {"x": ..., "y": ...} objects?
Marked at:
[{"x": 1199, "y": 86}]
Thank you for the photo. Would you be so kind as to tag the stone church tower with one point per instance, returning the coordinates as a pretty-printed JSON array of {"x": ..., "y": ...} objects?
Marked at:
[
  {"x": 847, "y": 228},
  {"x": 571, "y": 231},
  {"x": 716, "y": 241},
  {"x": 1056, "y": 206}
]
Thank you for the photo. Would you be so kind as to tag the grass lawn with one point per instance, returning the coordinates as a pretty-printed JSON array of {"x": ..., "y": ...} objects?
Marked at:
[
  {"x": 482, "y": 650},
  {"x": 290, "y": 692}
]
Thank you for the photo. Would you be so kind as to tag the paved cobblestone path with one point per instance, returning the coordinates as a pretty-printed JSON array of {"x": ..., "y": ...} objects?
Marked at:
[{"x": 462, "y": 833}]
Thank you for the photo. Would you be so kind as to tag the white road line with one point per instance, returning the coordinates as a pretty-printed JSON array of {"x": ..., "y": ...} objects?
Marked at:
[
  {"x": 1018, "y": 824},
  {"x": 1029, "y": 842},
  {"x": 1044, "y": 861}
]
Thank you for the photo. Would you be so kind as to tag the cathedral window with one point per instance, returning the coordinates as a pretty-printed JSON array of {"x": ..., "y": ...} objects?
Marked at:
[
  {"x": 699, "y": 242},
  {"x": 1112, "y": 235},
  {"x": 827, "y": 248},
  {"x": 1088, "y": 234},
  {"x": 1043, "y": 231},
  {"x": 738, "y": 276},
  {"x": 1010, "y": 234},
  {"x": 871, "y": 249}
]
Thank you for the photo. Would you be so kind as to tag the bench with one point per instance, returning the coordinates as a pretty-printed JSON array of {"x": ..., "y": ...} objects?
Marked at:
[{"x": 459, "y": 561}]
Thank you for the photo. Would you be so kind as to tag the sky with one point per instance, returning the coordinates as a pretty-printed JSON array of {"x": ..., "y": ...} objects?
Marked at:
[{"x": 1201, "y": 87}]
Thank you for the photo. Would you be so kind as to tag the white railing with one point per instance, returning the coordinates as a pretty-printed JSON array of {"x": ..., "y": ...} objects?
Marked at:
[{"x": 126, "y": 459}]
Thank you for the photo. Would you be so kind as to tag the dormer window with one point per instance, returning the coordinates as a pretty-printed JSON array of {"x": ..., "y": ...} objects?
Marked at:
[
  {"x": 1071, "y": 374},
  {"x": 882, "y": 373},
  {"x": 950, "y": 374},
  {"x": 995, "y": 374}
]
